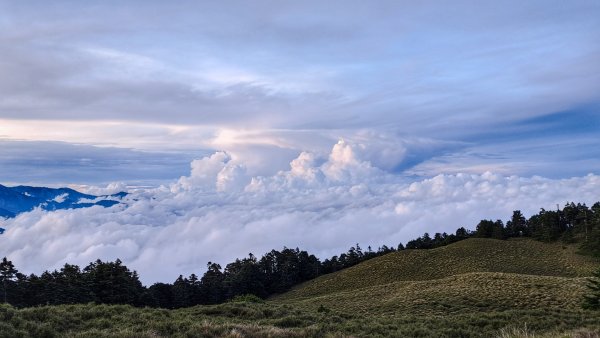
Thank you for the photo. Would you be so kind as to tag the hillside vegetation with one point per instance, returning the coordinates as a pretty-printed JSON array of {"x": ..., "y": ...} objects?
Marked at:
[
  {"x": 476, "y": 287},
  {"x": 517, "y": 256},
  {"x": 284, "y": 320},
  {"x": 472, "y": 288},
  {"x": 471, "y": 292}
]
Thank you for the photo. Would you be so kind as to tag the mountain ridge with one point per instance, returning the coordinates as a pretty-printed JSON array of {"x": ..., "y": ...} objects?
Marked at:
[{"x": 19, "y": 199}]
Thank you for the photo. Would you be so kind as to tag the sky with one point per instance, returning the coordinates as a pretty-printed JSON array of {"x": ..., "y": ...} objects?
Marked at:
[{"x": 256, "y": 124}]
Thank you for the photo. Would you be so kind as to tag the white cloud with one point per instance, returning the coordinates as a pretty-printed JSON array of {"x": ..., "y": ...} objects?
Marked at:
[
  {"x": 343, "y": 165},
  {"x": 61, "y": 198},
  {"x": 109, "y": 189},
  {"x": 217, "y": 172},
  {"x": 323, "y": 205}
]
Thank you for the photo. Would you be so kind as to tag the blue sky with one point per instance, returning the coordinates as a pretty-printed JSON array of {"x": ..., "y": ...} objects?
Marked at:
[{"x": 463, "y": 86}]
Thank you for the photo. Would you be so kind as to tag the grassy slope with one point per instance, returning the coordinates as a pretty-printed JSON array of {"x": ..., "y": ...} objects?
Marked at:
[
  {"x": 479, "y": 292},
  {"x": 465, "y": 282},
  {"x": 473, "y": 255}
]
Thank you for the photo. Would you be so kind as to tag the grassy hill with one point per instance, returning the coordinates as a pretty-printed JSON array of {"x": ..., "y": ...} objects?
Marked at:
[
  {"x": 521, "y": 256},
  {"x": 478, "y": 291},
  {"x": 473, "y": 288}
]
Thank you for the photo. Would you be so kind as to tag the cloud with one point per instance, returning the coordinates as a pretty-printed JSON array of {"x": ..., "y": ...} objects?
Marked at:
[
  {"x": 215, "y": 173},
  {"x": 262, "y": 152},
  {"x": 109, "y": 189},
  {"x": 556, "y": 157},
  {"x": 323, "y": 204},
  {"x": 417, "y": 82},
  {"x": 61, "y": 163},
  {"x": 295, "y": 66}
]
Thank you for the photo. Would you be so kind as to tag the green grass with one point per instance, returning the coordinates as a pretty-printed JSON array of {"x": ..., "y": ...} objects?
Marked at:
[
  {"x": 275, "y": 320},
  {"x": 474, "y": 288},
  {"x": 234, "y": 319}
]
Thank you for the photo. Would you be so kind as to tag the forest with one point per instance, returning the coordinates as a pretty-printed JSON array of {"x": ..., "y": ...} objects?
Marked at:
[{"x": 275, "y": 272}]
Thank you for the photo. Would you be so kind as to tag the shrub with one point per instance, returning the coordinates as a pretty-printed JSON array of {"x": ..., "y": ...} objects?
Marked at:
[{"x": 248, "y": 298}]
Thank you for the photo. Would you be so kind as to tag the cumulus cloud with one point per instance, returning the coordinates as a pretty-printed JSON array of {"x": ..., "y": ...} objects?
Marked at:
[
  {"x": 214, "y": 173},
  {"x": 323, "y": 204},
  {"x": 109, "y": 189}
]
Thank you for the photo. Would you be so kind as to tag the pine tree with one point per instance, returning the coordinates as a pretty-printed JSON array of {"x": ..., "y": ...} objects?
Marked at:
[
  {"x": 517, "y": 226},
  {"x": 113, "y": 283},
  {"x": 212, "y": 284},
  {"x": 592, "y": 300},
  {"x": 7, "y": 275}
]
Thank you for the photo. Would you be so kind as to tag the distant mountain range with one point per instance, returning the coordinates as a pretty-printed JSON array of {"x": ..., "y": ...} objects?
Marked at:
[{"x": 16, "y": 200}]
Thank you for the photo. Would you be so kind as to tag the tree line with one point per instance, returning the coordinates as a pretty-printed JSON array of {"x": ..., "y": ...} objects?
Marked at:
[
  {"x": 114, "y": 283},
  {"x": 275, "y": 272},
  {"x": 574, "y": 223}
]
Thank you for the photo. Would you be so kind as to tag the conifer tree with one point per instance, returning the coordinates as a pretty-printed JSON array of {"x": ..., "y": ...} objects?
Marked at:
[{"x": 7, "y": 275}]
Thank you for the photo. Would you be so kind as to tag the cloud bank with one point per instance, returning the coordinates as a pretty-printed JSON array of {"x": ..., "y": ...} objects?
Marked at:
[{"x": 321, "y": 203}]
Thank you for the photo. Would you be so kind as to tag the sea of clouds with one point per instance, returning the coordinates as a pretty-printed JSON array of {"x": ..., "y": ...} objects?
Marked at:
[{"x": 323, "y": 204}]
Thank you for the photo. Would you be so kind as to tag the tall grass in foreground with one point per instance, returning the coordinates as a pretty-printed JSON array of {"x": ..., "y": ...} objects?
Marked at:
[
  {"x": 273, "y": 320},
  {"x": 525, "y": 332}
]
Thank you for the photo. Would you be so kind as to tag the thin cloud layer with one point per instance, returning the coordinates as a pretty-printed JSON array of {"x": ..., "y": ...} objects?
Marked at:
[
  {"x": 60, "y": 164},
  {"x": 323, "y": 204}
]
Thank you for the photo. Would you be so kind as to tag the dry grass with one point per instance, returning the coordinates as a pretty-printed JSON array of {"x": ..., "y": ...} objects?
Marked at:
[
  {"x": 525, "y": 332},
  {"x": 521, "y": 256},
  {"x": 476, "y": 278},
  {"x": 465, "y": 293}
]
